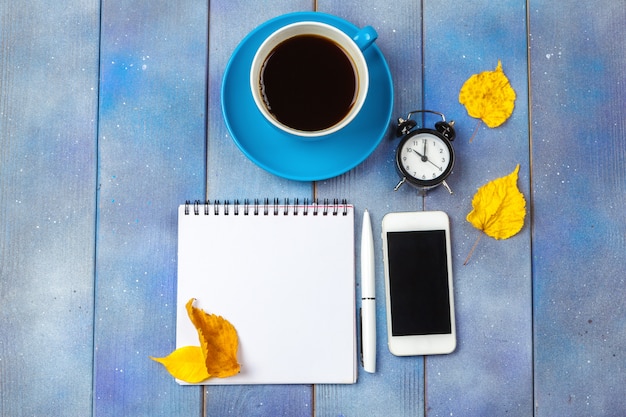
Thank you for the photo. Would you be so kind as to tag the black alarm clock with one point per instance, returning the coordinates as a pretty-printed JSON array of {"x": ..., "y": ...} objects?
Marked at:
[{"x": 425, "y": 157}]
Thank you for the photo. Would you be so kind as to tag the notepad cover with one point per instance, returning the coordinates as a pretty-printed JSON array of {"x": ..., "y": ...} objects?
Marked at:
[{"x": 284, "y": 279}]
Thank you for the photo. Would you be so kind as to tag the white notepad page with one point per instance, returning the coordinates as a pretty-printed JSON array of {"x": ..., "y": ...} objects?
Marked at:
[{"x": 285, "y": 281}]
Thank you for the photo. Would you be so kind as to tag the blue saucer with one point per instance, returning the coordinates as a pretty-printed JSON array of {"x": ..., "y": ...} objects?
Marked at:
[{"x": 286, "y": 155}]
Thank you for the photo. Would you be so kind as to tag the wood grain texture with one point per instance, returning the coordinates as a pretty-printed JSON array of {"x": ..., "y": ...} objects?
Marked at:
[
  {"x": 151, "y": 159},
  {"x": 397, "y": 388},
  {"x": 493, "y": 336},
  {"x": 494, "y": 297},
  {"x": 48, "y": 85},
  {"x": 579, "y": 90},
  {"x": 110, "y": 117},
  {"x": 230, "y": 175}
]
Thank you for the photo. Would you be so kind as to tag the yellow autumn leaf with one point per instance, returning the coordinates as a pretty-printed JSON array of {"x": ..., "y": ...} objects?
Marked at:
[
  {"x": 216, "y": 355},
  {"x": 498, "y": 208},
  {"x": 488, "y": 96},
  {"x": 186, "y": 364},
  {"x": 218, "y": 340}
]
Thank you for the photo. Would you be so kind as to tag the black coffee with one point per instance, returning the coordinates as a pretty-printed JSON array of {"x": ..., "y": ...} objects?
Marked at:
[{"x": 309, "y": 83}]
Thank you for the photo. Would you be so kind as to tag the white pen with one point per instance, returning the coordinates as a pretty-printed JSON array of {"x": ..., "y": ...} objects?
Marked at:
[{"x": 368, "y": 296}]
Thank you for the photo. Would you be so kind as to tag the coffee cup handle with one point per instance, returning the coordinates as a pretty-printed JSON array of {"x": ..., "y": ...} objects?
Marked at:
[{"x": 365, "y": 37}]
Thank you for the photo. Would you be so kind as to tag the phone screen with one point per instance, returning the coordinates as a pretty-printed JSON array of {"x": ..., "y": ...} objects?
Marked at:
[{"x": 418, "y": 284}]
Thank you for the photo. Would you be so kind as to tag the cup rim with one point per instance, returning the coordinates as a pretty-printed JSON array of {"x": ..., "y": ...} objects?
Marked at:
[{"x": 355, "y": 53}]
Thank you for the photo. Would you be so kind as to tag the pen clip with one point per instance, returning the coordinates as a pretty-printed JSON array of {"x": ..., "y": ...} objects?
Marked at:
[{"x": 361, "y": 333}]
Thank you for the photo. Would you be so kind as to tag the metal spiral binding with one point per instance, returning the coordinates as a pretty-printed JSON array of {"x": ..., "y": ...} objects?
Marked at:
[{"x": 266, "y": 208}]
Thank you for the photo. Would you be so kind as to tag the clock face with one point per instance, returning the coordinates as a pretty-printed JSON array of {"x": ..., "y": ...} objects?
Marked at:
[{"x": 425, "y": 158}]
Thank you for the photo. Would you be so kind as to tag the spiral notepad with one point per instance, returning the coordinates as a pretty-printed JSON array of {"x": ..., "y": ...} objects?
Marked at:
[{"x": 283, "y": 274}]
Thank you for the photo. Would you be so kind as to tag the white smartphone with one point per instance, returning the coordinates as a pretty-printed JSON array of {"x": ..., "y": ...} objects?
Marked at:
[{"x": 418, "y": 283}]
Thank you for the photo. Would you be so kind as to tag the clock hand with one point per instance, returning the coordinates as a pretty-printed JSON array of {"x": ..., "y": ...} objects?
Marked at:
[
  {"x": 426, "y": 159},
  {"x": 436, "y": 166},
  {"x": 419, "y": 154}
]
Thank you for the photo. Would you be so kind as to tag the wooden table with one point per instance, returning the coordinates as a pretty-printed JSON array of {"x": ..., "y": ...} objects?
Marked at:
[{"x": 110, "y": 117}]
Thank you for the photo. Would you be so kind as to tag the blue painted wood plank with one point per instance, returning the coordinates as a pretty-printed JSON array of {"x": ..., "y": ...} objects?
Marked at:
[
  {"x": 578, "y": 64},
  {"x": 501, "y": 351},
  {"x": 397, "y": 388},
  {"x": 230, "y": 175},
  {"x": 48, "y": 105},
  {"x": 493, "y": 292},
  {"x": 151, "y": 158},
  {"x": 152, "y": 132}
]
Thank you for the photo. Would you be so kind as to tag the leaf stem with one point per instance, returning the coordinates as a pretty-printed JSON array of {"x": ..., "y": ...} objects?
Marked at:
[
  {"x": 472, "y": 250},
  {"x": 475, "y": 130}
]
